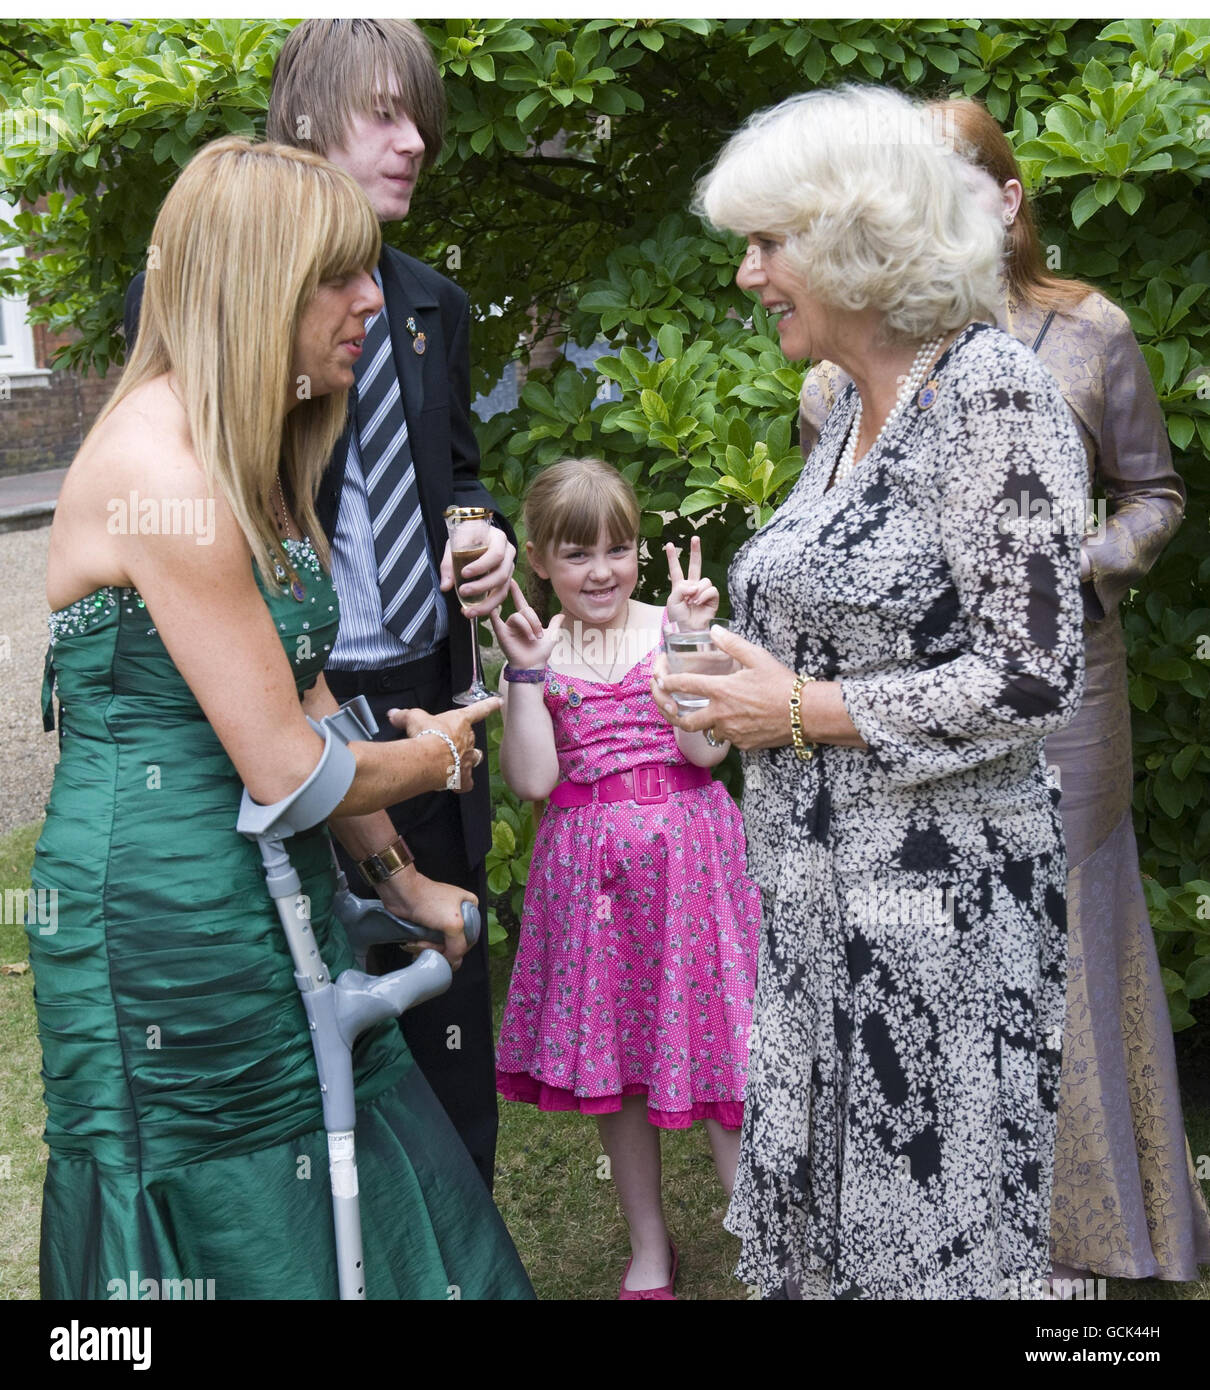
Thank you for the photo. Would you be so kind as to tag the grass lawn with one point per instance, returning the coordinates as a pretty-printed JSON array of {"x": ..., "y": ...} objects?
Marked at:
[
  {"x": 562, "y": 1215},
  {"x": 22, "y": 1152}
]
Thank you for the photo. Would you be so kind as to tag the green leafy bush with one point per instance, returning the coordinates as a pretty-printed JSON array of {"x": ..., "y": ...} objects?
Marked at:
[{"x": 559, "y": 204}]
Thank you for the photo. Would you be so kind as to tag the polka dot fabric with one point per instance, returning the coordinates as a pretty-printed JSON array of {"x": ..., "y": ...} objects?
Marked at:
[{"x": 636, "y": 967}]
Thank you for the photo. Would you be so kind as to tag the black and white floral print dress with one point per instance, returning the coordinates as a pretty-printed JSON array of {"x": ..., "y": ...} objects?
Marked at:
[{"x": 899, "y": 1133}]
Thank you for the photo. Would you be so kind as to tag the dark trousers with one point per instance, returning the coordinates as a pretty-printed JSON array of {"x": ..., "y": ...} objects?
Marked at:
[{"x": 450, "y": 1036}]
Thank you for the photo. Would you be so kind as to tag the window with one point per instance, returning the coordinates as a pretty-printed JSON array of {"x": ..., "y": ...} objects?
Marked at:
[{"x": 16, "y": 339}]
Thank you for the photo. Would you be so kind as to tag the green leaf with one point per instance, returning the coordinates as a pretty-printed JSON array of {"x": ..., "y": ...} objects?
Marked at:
[
  {"x": 565, "y": 66},
  {"x": 1097, "y": 77},
  {"x": 483, "y": 65},
  {"x": 1197, "y": 978},
  {"x": 1142, "y": 693},
  {"x": 537, "y": 397},
  {"x": 797, "y": 42},
  {"x": 1167, "y": 668},
  {"x": 700, "y": 500},
  {"x": 1158, "y": 301},
  {"x": 1168, "y": 793},
  {"x": 1064, "y": 121},
  {"x": 654, "y": 407},
  {"x": 1183, "y": 763},
  {"x": 671, "y": 341},
  {"x": 1130, "y": 198},
  {"x": 1084, "y": 206},
  {"x": 1180, "y": 430},
  {"x": 1175, "y": 353},
  {"x": 529, "y": 104}
]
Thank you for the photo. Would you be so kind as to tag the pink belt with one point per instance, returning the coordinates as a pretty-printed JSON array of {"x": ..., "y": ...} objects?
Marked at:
[{"x": 647, "y": 785}]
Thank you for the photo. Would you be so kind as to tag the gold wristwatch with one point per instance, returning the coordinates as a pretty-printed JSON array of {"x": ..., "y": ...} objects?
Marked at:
[{"x": 379, "y": 867}]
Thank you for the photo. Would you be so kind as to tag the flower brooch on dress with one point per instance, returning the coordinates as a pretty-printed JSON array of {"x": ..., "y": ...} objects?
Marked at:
[{"x": 574, "y": 698}]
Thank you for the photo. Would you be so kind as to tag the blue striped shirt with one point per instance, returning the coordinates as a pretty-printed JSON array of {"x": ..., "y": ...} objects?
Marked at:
[{"x": 362, "y": 643}]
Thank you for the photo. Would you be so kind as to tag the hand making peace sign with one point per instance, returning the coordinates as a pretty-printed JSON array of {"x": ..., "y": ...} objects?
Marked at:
[{"x": 692, "y": 600}]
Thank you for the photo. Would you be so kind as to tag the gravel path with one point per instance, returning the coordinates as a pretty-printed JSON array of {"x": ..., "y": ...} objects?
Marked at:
[{"x": 27, "y": 755}]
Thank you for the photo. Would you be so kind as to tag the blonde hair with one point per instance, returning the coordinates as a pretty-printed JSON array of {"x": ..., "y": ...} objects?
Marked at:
[
  {"x": 570, "y": 503},
  {"x": 244, "y": 239},
  {"x": 980, "y": 140},
  {"x": 871, "y": 203},
  {"x": 329, "y": 70}
]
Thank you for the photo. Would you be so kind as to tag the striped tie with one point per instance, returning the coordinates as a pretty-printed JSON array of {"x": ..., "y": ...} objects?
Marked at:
[{"x": 409, "y": 599}]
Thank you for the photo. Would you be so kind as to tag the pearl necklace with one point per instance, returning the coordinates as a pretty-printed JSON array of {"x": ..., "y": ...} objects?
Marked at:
[{"x": 915, "y": 380}]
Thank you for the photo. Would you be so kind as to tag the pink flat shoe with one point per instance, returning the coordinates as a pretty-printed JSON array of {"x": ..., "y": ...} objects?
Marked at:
[{"x": 664, "y": 1294}]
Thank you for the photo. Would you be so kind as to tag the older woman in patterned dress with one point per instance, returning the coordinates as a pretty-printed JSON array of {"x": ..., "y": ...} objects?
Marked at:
[
  {"x": 1126, "y": 1196},
  {"x": 902, "y": 657}
]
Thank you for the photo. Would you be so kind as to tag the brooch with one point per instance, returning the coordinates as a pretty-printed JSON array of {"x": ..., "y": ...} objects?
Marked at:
[
  {"x": 419, "y": 341},
  {"x": 928, "y": 395},
  {"x": 574, "y": 698}
]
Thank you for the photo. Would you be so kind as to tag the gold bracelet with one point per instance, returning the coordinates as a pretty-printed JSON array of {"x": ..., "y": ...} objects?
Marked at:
[
  {"x": 803, "y": 750},
  {"x": 379, "y": 867}
]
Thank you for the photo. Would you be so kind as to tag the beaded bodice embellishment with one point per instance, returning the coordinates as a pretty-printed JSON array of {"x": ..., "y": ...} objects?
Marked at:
[
  {"x": 93, "y": 609},
  {"x": 85, "y": 613}
]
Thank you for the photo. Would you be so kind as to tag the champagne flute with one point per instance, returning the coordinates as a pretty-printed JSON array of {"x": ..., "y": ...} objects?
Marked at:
[
  {"x": 692, "y": 651},
  {"x": 469, "y": 530}
]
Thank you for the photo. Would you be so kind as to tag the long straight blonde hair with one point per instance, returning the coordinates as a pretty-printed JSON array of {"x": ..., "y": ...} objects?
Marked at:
[{"x": 244, "y": 239}]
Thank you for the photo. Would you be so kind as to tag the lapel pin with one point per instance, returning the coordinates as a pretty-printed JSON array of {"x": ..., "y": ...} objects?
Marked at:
[{"x": 419, "y": 342}]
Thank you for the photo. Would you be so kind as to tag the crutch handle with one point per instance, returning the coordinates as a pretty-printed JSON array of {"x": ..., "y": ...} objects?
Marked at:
[
  {"x": 367, "y": 923},
  {"x": 362, "y": 1000},
  {"x": 470, "y": 922}
]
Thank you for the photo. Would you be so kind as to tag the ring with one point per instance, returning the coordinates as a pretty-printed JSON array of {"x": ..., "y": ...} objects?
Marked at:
[{"x": 710, "y": 739}]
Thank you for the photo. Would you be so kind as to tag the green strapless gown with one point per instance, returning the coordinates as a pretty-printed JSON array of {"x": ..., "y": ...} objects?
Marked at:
[{"x": 185, "y": 1131}]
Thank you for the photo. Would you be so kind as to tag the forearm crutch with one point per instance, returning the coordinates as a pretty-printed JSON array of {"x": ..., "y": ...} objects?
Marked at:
[{"x": 339, "y": 1012}]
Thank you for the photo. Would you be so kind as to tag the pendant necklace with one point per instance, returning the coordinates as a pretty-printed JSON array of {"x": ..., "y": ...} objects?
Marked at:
[
  {"x": 279, "y": 570},
  {"x": 595, "y": 670}
]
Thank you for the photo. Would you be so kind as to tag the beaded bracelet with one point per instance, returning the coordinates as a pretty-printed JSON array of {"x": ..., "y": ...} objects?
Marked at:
[
  {"x": 532, "y": 675},
  {"x": 803, "y": 750},
  {"x": 453, "y": 778}
]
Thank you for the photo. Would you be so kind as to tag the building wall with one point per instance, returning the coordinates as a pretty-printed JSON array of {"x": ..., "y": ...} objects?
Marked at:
[
  {"x": 44, "y": 419},
  {"x": 44, "y": 415}
]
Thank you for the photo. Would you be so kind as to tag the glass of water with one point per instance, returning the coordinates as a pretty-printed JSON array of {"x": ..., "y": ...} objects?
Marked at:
[{"x": 693, "y": 652}]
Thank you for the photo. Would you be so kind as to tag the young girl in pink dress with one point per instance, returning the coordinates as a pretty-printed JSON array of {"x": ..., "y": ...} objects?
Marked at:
[{"x": 631, "y": 996}]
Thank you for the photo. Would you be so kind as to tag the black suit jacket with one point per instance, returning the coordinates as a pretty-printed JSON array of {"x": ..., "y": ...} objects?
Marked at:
[
  {"x": 435, "y": 386},
  {"x": 436, "y": 403}
]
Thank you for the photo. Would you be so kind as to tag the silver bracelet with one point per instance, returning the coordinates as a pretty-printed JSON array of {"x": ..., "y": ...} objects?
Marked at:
[{"x": 454, "y": 778}]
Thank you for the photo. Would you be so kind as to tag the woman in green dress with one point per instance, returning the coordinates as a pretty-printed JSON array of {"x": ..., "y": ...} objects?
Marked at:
[{"x": 192, "y": 616}]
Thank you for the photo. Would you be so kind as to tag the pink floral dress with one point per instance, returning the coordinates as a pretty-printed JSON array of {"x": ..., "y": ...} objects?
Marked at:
[{"x": 637, "y": 962}]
